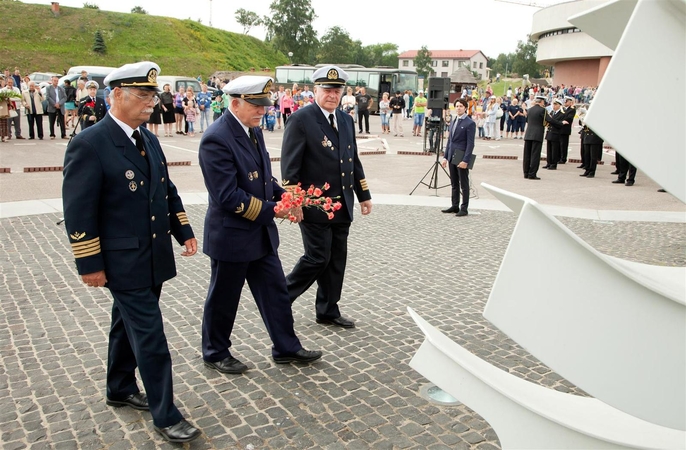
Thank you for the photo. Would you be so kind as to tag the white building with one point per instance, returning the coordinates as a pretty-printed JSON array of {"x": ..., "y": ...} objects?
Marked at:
[{"x": 445, "y": 62}]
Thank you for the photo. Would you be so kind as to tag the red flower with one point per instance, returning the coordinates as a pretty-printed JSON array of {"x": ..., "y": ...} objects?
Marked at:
[{"x": 312, "y": 197}]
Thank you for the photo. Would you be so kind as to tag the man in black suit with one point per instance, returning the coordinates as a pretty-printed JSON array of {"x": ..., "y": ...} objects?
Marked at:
[
  {"x": 240, "y": 235},
  {"x": 92, "y": 108},
  {"x": 121, "y": 210},
  {"x": 554, "y": 122},
  {"x": 592, "y": 147},
  {"x": 460, "y": 139},
  {"x": 533, "y": 138},
  {"x": 319, "y": 147},
  {"x": 626, "y": 172},
  {"x": 568, "y": 114}
]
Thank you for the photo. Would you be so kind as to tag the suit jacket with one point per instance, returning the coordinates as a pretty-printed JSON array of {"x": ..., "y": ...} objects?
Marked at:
[
  {"x": 554, "y": 120},
  {"x": 590, "y": 137},
  {"x": 568, "y": 114},
  {"x": 534, "y": 124},
  {"x": 239, "y": 224},
  {"x": 98, "y": 110},
  {"x": 313, "y": 154},
  {"x": 50, "y": 96},
  {"x": 37, "y": 100},
  {"x": 461, "y": 137},
  {"x": 121, "y": 211}
]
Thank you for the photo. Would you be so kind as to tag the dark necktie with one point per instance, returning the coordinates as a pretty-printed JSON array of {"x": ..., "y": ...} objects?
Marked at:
[
  {"x": 252, "y": 138},
  {"x": 92, "y": 100},
  {"x": 139, "y": 144},
  {"x": 333, "y": 124}
]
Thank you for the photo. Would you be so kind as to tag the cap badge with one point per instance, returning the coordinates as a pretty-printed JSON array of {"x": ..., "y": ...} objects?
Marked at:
[
  {"x": 267, "y": 87},
  {"x": 152, "y": 75},
  {"x": 77, "y": 236},
  {"x": 332, "y": 74},
  {"x": 129, "y": 174},
  {"x": 133, "y": 186}
]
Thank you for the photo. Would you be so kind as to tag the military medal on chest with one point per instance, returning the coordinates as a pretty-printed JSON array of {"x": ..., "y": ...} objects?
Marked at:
[
  {"x": 327, "y": 143},
  {"x": 129, "y": 175}
]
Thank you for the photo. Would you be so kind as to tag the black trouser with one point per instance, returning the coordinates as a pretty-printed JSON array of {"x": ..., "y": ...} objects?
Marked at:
[
  {"x": 38, "y": 120},
  {"x": 532, "y": 157},
  {"x": 268, "y": 286},
  {"x": 564, "y": 147},
  {"x": 326, "y": 254},
  {"x": 502, "y": 122},
  {"x": 552, "y": 153},
  {"x": 360, "y": 115},
  {"x": 137, "y": 339},
  {"x": 59, "y": 117},
  {"x": 591, "y": 156},
  {"x": 582, "y": 153},
  {"x": 459, "y": 181},
  {"x": 627, "y": 171}
]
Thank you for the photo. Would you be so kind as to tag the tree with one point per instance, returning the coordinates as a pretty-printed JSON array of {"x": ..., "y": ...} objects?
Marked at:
[
  {"x": 289, "y": 29},
  {"x": 422, "y": 63},
  {"x": 383, "y": 54},
  {"x": 335, "y": 47},
  {"x": 90, "y": 6},
  {"x": 524, "y": 61},
  {"x": 138, "y": 10},
  {"x": 247, "y": 19},
  {"x": 99, "y": 43}
]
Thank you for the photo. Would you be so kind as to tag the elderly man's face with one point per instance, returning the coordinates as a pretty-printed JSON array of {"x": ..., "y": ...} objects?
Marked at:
[
  {"x": 328, "y": 98},
  {"x": 250, "y": 115}
]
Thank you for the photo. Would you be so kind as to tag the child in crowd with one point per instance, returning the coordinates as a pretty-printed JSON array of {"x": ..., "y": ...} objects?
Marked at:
[
  {"x": 480, "y": 122},
  {"x": 271, "y": 119},
  {"x": 216, "y": 106}
]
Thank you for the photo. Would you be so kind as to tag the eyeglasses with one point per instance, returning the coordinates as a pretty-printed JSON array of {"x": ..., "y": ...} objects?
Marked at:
[{"x": 146, "y": 98}]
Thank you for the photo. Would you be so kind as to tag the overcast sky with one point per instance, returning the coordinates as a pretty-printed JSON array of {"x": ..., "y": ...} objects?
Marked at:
[{"x": 491, "y": 26}]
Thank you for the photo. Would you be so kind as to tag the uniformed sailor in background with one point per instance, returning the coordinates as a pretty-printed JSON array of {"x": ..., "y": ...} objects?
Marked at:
[
  {"x": 319, "y": 147},
  {"x": 121, "y": 211},
  {"x": 240, "y": 235},
  {"x": 92, "y": 109}
]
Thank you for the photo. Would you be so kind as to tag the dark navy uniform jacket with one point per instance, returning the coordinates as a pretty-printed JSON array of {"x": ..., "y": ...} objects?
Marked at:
[
  {"x": 239, "y": 225},
  {"x": 554, "y": 123},
  {"x": 120, "y": 212},
  {"x": 98, "y": 110},
  {"x": 312, "y": 154},
  {"x": 535, "y": 123}
]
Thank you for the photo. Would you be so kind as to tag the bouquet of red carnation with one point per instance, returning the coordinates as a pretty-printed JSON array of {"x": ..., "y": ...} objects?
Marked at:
[{"x": 310, "y": 198}]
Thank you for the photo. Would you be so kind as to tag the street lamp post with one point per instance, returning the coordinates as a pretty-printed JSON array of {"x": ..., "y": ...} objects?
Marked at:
[{"x": 290, "y": 57}]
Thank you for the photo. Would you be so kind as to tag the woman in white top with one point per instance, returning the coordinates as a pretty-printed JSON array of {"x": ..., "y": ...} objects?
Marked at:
[
  {"x": 348, "y": 102},
  {"x": 491, "y": 111}
]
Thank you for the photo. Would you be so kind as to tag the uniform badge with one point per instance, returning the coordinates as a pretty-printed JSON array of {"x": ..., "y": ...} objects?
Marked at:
[
  {"x": 77, "y": 236},
  {"x": 255, "y": 175},
  {"x": 240, "y": 209},
  {"x": 327, "y": 143},
  {"x": 250, "y": 176},
  {"x": 133, "y": 186},
  {"x": 129, "y": 174}
]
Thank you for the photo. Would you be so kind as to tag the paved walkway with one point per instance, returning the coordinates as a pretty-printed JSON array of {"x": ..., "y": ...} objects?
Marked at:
[{"x": 362, "y": 394}]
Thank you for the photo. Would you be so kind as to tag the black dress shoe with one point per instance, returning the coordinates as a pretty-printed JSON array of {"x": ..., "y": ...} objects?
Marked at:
[
  {"x": 228, "y": 365},
  {"x": 562, "y": 162},
  {"x": 526, "y": 176},
  {"x": 661, "y": 190},
  {"x": 585, "y": 174},
  {"x": 616, "y": 172},
  {"x": 136, "y": 401},
  {"x": 590, "y": 175},
  {"x": 534, "y": 177},
  {"x": 301, "y": 356},
  {"x": 461, "y": 213},
  {"x": 547, "y": 166},
  {"x": 618, "y": 181},
  {"x": 180, "y": 432},
  {"x": 552, "y": 167},
  {"x": 338, "y": 321},
  {"x": 452, "y": 209},
  {"x": 581, "y": 167},
  {"x": 629, "y": 183}
]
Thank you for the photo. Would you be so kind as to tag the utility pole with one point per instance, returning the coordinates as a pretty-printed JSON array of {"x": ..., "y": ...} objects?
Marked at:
[{"x": 210, "y": 13}]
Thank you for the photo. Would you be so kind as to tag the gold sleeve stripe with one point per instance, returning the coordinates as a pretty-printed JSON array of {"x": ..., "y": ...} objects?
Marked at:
[
  {"x": 91, "y": 253},
  {"x": 363, "y": 184},
  {"x": 254, "y": 209},
  {"x": 183, "y": 218},
  {"x": 89, "y": 243}
]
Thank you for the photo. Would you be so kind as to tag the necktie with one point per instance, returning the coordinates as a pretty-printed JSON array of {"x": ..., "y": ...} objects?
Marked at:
[
  {"x": 252, "y": 138},
  {"x": 333, "y": 124},
  {"x": 139, "y": 143}
]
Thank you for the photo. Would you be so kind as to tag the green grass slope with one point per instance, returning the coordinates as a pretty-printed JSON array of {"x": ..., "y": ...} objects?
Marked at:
[{"x": 34, "y": 40}]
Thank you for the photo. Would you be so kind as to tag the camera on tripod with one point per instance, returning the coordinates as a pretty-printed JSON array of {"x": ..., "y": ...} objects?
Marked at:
[{"x": 432, "y": 122}]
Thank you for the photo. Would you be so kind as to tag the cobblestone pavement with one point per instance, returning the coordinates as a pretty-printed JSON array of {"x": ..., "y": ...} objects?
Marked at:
[{"x": 361, "y": 395}]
